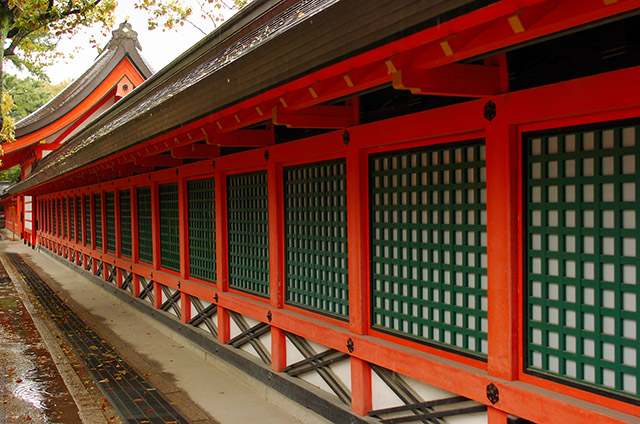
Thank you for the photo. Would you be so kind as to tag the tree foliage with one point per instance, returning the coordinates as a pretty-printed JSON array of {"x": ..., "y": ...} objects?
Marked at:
[
  {"x": 169, "y": 14},
  {"x": 11, "y": 174},
  {"x": 29, "y": 93}
]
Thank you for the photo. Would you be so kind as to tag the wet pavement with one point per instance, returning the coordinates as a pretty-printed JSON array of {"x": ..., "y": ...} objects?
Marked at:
[
  {"x": 129, "y": 393},
  {"x": 31, "y": 389}
]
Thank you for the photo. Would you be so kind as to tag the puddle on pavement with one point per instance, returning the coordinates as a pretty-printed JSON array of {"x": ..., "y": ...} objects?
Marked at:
[{"x": 31, "y": 389}]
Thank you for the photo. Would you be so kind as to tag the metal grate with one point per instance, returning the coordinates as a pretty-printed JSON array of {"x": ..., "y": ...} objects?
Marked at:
[
  {"x": 169, "y": 226},
  {"x": 145, "y": 228},
  {"x": 428, "y": 245},
  {"x": 110, "y": 218},
  {"x": 202, "y": 228},
  {"x": 316, "y": 237},
  {"x": 248, "y": 232},
  {"x": 125, "y": 222},
  {"x": 72, "y": 217},
  {"x": 87, "y": 219},
  {"x": 97, "y": 201},
  {"x": 582, "y": 252}
]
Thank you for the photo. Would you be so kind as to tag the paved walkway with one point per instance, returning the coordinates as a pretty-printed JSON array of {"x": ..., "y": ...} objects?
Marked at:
[{"x": 202, "y": 387}]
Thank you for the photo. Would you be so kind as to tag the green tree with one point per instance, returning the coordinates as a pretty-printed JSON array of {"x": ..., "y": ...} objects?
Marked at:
[
  {"x": 29, "y": 30},
  {"x": 29, "y": 93},
  {"x": 12, "y": 174}
]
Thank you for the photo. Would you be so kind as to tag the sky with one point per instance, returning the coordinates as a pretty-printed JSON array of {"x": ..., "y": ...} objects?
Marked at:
[{"x": 158, "y": 47}]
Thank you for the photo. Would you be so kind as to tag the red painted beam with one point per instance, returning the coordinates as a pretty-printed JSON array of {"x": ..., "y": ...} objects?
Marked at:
[
  {"x": 158, "y": 160},
  {"x": 450, "y": 80},
  {"x": 326, "y": 117},
  {"x": 242, "y": 138},
  {"x": 195, "y": 151}
]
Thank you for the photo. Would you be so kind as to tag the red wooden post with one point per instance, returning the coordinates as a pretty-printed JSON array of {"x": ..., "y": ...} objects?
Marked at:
[
  {"x": 118, "y": 249},
  {"x": 360, "y": 386},
  {"x": 276, "y": 262},
  {"x": 155, "y": 225},
  {"x": 157, "y": 295},
  {"x": 222, "y": 269},
  {"x": 502, "y": 245},
  {"x": 496, "y": 416},
  {"x": 185, "y": 307},
  {"x": 183, "y": 218},
  {"x": 357, "y": 213},
  {"x": 136, "y": 285}
]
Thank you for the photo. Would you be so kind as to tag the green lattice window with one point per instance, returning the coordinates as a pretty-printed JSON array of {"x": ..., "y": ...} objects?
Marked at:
[
  {"x": 125, "y": 222},
  {"x": 145, "y": 228},
  {"x": 248, "y": 232},
  {"x": 87, "y": 219},
  {"x": 169, "y": 226},
  {"x": 202, "y": 228},
  {"x": 110, "y": 219},
  {"x": 316, "y": 237},
  {"x": 59, "y": 214},
  {"x": 79, "y": 217},
  {"x": 72, "y": 217},
  {"x": 428, "y": 245},
  {"x": 97, "y": 201},
  {"x": 582, "y": 256},
  {"x": 51, "y": 219},
  {"x": 64, "y": 218}
]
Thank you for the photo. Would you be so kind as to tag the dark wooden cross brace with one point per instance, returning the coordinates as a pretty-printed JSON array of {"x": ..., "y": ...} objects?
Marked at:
[
  {"x": 204, "y": 315},
  {"x": 319, "y": 362},
  {"x": 250, "y": 335}
]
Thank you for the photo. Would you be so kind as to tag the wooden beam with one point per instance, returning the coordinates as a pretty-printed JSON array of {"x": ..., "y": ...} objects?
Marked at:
[
  {"x": 195, "y": 151},
  {"x": 242, "y": 138},
  {"x": 325, "y": 117},
  {"x": 158, "y": 160},
  {"x": 450, "y": 80}
]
